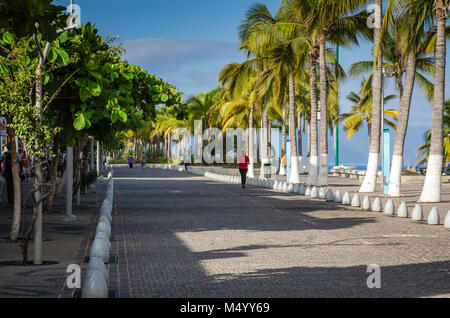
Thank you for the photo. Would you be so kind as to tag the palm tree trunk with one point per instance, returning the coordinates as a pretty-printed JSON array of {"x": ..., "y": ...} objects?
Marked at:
[
  {"x": 323, "y": 174},
  {"x": 295, "y": 175},
  {"x": 264, "y": 136},
  {"x": 17, "y": 190},
  {"x": 308, "y": 146},
  {"x": 431, "y": 191},
  {"x": 283, "y": 140},
  {"x": 313, "y": 158},
  {"x": 300, "y": 143},
  {"x": 402, "y": 126},
  {"x": 251, "y": 134},
  {"x": 369, "y": 183}
]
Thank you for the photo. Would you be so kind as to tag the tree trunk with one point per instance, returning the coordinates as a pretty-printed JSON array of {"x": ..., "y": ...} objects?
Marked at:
[
  {"x": 251, "y": 147},
  {"x": 308, "y": 146},
  {"x": 53, "y": 174},
  {"x": 313, "y": 158},
  {"x": 323, "y": 174},
  {"x": 369, "y": 183},
  {"x": 264, "y": 136},
  {"x": 432, "y": 187},
  {"x": 300, "y": 143},
  {"x": 15, "y": 168},
  {"x": 402, "y": 126},
  {"x": 295, "y": 175},
  {"x": 283, "y": 140}
]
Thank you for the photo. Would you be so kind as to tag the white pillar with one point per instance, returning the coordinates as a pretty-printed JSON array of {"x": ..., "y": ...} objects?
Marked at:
[{"x": 69, "y": 185}]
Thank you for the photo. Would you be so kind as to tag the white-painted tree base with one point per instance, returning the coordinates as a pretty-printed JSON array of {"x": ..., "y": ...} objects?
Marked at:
[
  {"x": 251, "y": 169},
  {"x": 295, "y": 176},
  {"x": 370, "y": 180},
  {"x": 312, "y": 172},
  {"x": 300, "y": 165},
  {"x": 431, "y": 191},
  {"x": 395, "y": 177},
  {"x": 323, "y": 173}
]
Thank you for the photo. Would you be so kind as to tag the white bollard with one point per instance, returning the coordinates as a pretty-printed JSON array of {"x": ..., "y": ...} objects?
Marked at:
[
  {"x": 296, "y": 187},
  {"x": 102, "y": 235},
  {"x": 389, "y": 208},
  {"x": 376, "y": 205},
  {"x": 433, "y": 217},
  {"x": 337, "y": 197},
  {"x": 301, "y": 189},
  {"x": 285, "y": 187},
  {"x": 275, "y": 185},
  {"x": 366, "y": 203},
  {"x": 346, "y": 198},
  {"x": 314, "y": 192},
  {"x": 402, "y": 211},
  {"x": 447, "y": 220},
  {"x": 321, "y": 194},
  {"x": 96, "y": 263},
  {"x": 329, "y": 196},
  {"x": 94, "y": 286},
  {"x": 105, "y": 227},
  {"x": 106, "y": 212},
  {"x": 100, "y": 249},
  {"x": 417, "y": 213},
  {"x": 290, "y": 188},
  {"x": 355, "y": 200},
  {"x": 308, "y": 191},
  {"x": 280, "y": 186}
]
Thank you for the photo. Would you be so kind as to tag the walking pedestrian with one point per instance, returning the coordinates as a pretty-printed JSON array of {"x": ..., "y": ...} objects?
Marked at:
[
  {"x": 243, "y": 168},
  {"x": 25, "y": 167},
  {"x": 7, "y": 172},
  {"x": 143, "y": 162},
  {"x": 131, "y": 160}
]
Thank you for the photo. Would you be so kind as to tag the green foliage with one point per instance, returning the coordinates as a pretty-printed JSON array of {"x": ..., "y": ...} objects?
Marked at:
[{"x": 88, "y": 89}]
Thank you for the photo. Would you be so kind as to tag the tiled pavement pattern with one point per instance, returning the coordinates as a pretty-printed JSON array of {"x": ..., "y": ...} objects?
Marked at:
[{"x": 185, "y": 236}]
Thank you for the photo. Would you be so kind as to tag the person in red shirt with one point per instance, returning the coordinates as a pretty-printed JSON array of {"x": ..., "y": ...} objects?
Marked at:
[
  {"x": 243, "y": 168},
  {"x": 25, "y": 166}
]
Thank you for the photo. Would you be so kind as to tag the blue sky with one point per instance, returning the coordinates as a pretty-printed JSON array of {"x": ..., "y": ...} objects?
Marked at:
[{"x": 186, "y": 42}]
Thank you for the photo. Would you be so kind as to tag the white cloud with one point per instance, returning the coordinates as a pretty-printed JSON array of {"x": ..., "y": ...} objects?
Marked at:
[{"x": 191, "y": 65}]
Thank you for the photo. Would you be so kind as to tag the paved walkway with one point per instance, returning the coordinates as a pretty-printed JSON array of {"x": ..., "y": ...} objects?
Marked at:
[{"x": 179, "y": 235}]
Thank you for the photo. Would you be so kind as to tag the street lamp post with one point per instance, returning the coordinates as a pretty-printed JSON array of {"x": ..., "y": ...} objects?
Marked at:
[{"x": 336, "y": 125}]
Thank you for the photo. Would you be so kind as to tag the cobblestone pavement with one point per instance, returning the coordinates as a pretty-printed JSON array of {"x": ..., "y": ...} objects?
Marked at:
[{"x": 179, "y": 235}]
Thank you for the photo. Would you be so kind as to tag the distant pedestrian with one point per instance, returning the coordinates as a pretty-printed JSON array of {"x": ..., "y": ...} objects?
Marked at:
[
  {"x": 186, "y": 162},
  {"x": 7, "y": 172},
  {"x": 131, "y": 160},
  {"x": 60, "y": 163},
  {"x": 25, "y": 167},
  {"x": 243, "y": 168},
  {"x": 143, "y": 162}
]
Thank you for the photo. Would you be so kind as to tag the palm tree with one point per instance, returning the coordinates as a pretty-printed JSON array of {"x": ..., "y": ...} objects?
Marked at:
[
  {"x": 414, "y": 62},
  {"x": 423, "y": 151},
  {"x": 370, "y": 178},
  {"x": 406, "y": 66},
  {"x": 284, "y": 55},
  {"x": 432, "y": 187},
  {"x": 433, "y": 14},
  {"x": 332, "y": 21},
  {"x": 361, "y": 111}
]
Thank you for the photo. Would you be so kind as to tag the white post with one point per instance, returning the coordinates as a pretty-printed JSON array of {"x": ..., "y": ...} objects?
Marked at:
[
  {"x": 99, "y": 159},
  {"x": 69, "y": 185}
]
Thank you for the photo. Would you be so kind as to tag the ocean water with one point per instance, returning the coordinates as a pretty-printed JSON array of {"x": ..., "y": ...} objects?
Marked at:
[{"x": 358, "y": 166}]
